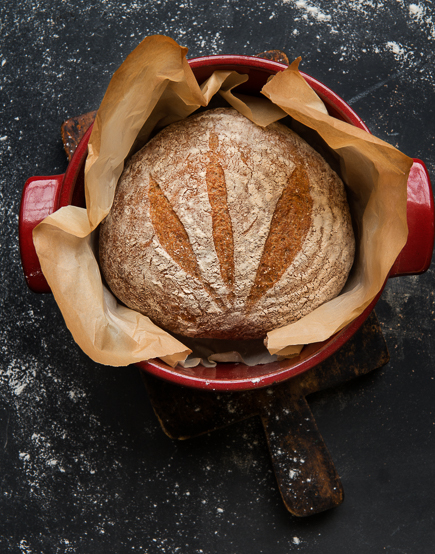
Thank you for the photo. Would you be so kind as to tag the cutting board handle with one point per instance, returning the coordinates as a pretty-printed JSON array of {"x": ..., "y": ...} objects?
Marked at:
[{"x": 416, "y": 255}]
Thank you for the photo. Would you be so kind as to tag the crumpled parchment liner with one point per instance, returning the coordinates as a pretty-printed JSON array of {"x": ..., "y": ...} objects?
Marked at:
[
  {"x": 154, "y": 87},
  {"x": 209, "y": 352}
]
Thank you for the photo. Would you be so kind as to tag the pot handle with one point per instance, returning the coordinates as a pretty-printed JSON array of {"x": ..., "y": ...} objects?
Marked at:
[
  {"x": 416, "y": 255},
  {"x": 41, "y": 195},
  {"x": 40, "y": 198}
]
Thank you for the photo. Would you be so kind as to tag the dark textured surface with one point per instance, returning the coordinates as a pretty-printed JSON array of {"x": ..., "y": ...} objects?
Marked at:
[
  {"x": 307, "y": 479},
  {"x": 84, "y": 464}
]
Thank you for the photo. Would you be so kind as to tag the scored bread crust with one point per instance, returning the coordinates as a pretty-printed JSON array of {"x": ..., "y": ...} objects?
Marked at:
[{"x": 223, "y": 229}]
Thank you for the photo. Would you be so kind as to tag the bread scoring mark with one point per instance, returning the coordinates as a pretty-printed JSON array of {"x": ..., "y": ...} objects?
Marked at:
[
  {"x": 256, "y": 170},
  {"x": 173, "y": 237},
  {"x": 221, "y": 221},
  {"x": 170, "y": 231},
  {"x": 290, "y": 224}
]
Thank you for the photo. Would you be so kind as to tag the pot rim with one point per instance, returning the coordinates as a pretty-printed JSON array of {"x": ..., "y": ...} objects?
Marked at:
[{"x": 238, "y": 376}]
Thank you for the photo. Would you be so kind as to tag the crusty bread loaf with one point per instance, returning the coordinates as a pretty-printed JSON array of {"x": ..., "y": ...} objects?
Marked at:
[{"x": 221, "y": 228}]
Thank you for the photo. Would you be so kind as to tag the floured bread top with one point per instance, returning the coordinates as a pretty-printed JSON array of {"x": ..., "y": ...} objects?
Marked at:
[{"x": 221, "y": 228}]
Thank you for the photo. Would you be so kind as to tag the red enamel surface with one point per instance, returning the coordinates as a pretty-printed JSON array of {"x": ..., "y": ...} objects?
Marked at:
[
  {"x": 259, "y": 70},
  {"x": 40, "y": 198},
  {"x": 234, "y": 376},
  {"x": 43, "y": 195},
  {"x": 417, "y": 253}
]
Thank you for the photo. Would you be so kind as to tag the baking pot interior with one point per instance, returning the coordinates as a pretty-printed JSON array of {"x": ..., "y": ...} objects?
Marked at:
[{"x": 236, "y": 376}]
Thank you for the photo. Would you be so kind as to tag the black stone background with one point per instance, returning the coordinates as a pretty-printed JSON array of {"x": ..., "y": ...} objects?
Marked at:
[{"x": 84, "y": 465}]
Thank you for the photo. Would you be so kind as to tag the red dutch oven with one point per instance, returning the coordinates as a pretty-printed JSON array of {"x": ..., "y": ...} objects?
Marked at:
[{"x": 44, "y": 195}]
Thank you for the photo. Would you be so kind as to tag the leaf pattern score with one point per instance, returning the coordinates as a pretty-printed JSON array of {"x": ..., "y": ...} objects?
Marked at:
[
  {"x": 221, "y": 220},
  {"x": 172, "y": 235},
  {"x": 289, "y": 226}
]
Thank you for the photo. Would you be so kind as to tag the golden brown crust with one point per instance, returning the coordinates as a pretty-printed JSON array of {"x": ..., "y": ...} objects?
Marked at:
[{"x": 223, "y": 229}]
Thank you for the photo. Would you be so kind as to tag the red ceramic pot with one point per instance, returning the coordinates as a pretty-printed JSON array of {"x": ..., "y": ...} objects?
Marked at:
[{"x": 44, "y": 195}]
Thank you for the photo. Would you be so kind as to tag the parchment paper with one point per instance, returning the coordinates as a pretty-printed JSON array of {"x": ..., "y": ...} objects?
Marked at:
[{"x": 154, "y": 87}]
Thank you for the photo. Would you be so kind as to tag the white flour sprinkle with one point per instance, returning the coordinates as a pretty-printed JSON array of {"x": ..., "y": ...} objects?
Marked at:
[
  {"x": 396, "y": 48},
  {"x": 416, "y": 11},
  {"x": 310, "y": 10},
  {"x": 55, "y": 432},
  {"x": 352, "y": 21}
]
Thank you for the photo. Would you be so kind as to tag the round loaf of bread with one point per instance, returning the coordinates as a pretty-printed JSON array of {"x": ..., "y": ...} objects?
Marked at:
[{"x": 224, "y": 229}]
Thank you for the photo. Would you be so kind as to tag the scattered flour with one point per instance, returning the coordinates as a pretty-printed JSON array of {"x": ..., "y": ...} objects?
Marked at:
[
  {"x": 348, "y": 23},
  {"x": 59, "y": 438},
  {"x": 396, "y": 48},
  {"x": 416, "y": 11},
  {"x": 309, "y": 10}
]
